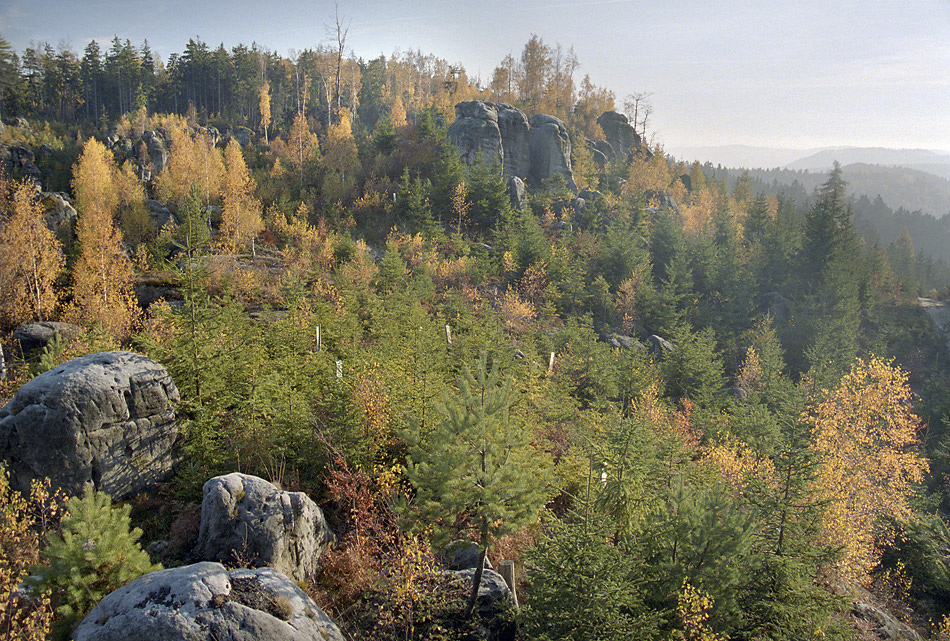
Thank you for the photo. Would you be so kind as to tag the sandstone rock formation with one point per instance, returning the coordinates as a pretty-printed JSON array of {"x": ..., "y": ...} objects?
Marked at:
[
  {"x": 247, "y": 516},
  {"x": 550, "y": 151},
  {"x": 476, "y": 133},
  {"x": 104, "y": 420},
  {"x": 517, "y": 193},
  {"x": 538, "y": 150},
  {"x": 35, "y": 336},
  {"x": 621, "y": 136},
  {"x": 513, "y": 127},
  {"x": 205, "y": 601}
]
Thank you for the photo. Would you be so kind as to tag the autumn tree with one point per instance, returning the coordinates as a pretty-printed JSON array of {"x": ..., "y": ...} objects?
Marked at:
[
  {"x": 30, "y": 260},
  {"x": 866, "y": 435},
  {"x": 181, "y": 171},
  {"x": 241, "y": 215},
  {"x": 303, "y": 145},
  {"x": 264, "y": 104},
  {"x": 102, "y": 276},
  {"x": 340, "y": 157}
]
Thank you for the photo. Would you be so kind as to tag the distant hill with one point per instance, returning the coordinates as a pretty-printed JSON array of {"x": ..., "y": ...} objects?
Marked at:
[
  {"x": 821, "y": 160},
  {"x": 911, "y": 158},
  {"x": 742, "y": 156},
  {"x": 912, "y": 179}
]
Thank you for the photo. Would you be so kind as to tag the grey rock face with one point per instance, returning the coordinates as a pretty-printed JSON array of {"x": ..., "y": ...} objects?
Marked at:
[
  {"x": 517, "y": 193},
  {"x": 157, "y": 148},
  {"x": 59, "y": 214},
  {"x": 492, "y": 587},
  {"x": 104, "y": 420},
  {"x": 247, "y": 515},
  {"x": 159, "y": 215},
  {"x": 35, "y": 336},
  {"x": 204, "y": 601},
  {"x": 550, "y": 151},
  {"x": 621, "y": 135},
  {"x": 779, "y": 307},
  {"x": 475, "y": 132},
  {"x": 659, "y": 346},
  {"x": 513, "y": 126}
]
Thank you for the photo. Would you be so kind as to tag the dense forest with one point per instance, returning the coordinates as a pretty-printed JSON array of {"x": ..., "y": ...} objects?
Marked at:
[{"x": 687, "y": 406}]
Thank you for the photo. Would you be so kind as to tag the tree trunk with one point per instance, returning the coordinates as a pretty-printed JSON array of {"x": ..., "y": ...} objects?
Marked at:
[{"x": 479, "y": 569}]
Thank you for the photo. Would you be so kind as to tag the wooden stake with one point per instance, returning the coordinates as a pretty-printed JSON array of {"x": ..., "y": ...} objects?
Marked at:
[{"x": 507, "y": 571}]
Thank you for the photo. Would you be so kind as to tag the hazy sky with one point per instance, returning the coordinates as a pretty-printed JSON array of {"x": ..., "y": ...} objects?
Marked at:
[{"x": 779, "y": 73}]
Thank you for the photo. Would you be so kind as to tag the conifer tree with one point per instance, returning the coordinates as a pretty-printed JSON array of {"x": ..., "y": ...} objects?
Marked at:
[
  {"x": 30, "y": 260},
  {"x": 102, "y": 276},
  {"x": 93, "y": 553},
  {"x": 478, "y": 461}
]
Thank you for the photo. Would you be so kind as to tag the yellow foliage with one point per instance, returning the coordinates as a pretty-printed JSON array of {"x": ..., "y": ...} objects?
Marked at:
[
  {"x": 102, "y": 275},
  {"x": 23, "y": 522},
  {"x": 241, "y": 218},
  {"x": 30, "y": 260},
  {"x": 515, "y": 312},
  {"x": 867, "y": 437},
  {"x": 739, "y": 465},
  {"x": 649, "y": 174},
  {"x": 693, "y": 608}
]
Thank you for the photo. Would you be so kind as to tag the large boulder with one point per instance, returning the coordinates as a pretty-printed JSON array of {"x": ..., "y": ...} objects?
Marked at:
[
  {"x": 495, "y": 603},
  {"x": 513, "y": 126},
  {"x": 246, "y": 516},
  {"x": 103, "y": 420},
  {"x": 621, "y": 136},
  {"x": 550, "y": 151},
  {"x": 206, "y": 601},
  {"x": 36, "y": 336},
  {"x": 475, "y": 132}
]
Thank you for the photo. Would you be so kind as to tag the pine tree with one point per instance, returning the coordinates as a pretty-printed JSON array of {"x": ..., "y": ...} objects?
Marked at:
[
  {"x": 30, "y": 260},
  {"x": 103, "y": 275},
  {"x": 478, "y": 461},
  {"x": 92, "y": 554}
]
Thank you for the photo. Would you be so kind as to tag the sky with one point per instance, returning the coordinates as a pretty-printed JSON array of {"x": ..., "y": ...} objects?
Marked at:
[{"x": 797, "y": 74}]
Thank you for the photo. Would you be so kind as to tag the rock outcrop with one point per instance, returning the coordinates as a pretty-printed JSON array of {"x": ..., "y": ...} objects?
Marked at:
[
  {"x": 513, "y": 127},
  {"x": 517, "y": 193},
  {"x": 104, "y": 420},
  {"x": 550, "y": 151},
  {"x": 247, "y": 516},
  {"x": 476, "y": 133},
  {"x": 622, "y": 138},
  {"x": 205, "y": 601},
  {"x": 538, "y": 150},
  {"x": 36, "y": 336},
  {"x": 59, "y": 214}
]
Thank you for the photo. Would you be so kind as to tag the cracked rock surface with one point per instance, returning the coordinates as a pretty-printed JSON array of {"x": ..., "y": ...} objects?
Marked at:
[
  {"x": 104, "y": 420},
  {"x": 206, "y": 601}
]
